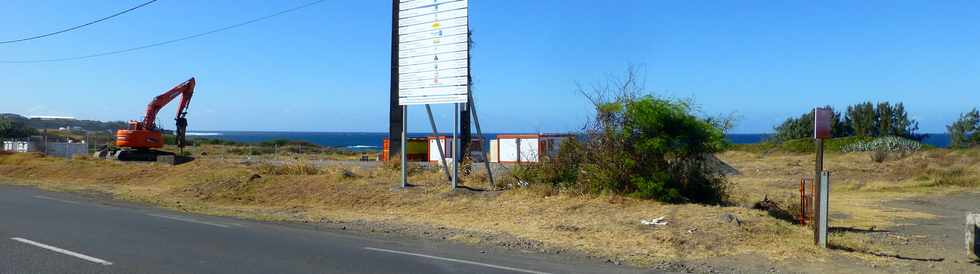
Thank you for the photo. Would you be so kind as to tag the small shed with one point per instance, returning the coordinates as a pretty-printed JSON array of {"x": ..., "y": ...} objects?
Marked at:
[
  {"x": 417, "y": 150},
  {"x": 525, "y": 148}
]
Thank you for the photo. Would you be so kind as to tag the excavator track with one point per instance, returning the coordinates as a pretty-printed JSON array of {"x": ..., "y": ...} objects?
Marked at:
[{"x": 140, "y": 155}]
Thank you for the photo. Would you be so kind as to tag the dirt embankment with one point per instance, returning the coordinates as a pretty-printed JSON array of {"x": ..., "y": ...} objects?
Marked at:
[{"x": 696, "y": 237}]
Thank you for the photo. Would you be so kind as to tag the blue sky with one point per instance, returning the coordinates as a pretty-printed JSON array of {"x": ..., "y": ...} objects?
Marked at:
[{"x": 325, "y": 68}]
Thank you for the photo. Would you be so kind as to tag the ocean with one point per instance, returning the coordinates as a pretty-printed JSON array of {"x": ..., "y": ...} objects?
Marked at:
[{"x": 375, "y": 140}]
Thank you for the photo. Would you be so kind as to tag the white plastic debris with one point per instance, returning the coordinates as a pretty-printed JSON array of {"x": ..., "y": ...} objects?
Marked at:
[{"x": 655, "y": 222}]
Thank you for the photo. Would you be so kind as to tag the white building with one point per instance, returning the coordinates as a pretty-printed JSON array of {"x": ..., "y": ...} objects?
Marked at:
[{"x": 18, "y": 146}]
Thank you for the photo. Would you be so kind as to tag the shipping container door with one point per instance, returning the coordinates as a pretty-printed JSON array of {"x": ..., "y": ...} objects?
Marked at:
[
  {"x": 529, "y": 150},
  {"x": 434, "y": 149},
  {"x": 494, "y": 147},
  {"x": 508, "y": 150}
]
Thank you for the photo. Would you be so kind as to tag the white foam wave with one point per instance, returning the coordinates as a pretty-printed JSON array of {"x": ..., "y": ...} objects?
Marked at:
[{"x": 203, "y": 134}]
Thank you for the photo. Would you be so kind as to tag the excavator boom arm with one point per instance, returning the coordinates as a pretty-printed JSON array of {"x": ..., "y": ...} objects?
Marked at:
[{"x": 185, "y": 90}]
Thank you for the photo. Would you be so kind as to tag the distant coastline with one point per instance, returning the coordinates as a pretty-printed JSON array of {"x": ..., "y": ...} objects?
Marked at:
[{"x": 375, "y": 140}]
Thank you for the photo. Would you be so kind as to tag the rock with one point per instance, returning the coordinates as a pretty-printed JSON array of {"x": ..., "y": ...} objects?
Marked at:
[{"x": 730, "y": 218}]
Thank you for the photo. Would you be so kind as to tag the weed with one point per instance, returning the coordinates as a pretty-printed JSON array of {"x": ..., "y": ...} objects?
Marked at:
[
  {"x": 292, "y": 168},
  {"x": 954, "y": 177},
  {"x": 879, "y": 156}
]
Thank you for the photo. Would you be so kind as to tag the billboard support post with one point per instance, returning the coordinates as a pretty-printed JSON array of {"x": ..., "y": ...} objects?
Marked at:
[
  {"x": 455, "y": 146},
  {"x": 439, "y": 144},
  {"x": 395, "y": 111},
  {"x": 479, "y": 132},
  {"x": 404, "y": 145}
]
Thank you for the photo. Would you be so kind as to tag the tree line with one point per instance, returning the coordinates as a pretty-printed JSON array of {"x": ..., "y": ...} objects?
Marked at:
[
  {"x": 879, "y": 120},
  {"x": 16, "y": 126},
  {"x": 863, "y": 120}
]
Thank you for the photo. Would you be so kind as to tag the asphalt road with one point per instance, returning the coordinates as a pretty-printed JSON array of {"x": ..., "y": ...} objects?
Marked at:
[{"x": 45, "y": 232}]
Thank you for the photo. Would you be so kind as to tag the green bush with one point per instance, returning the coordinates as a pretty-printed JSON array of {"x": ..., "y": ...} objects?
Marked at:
[
  {"x": 641, "y": 146},
  {"x": 11, "y": 128}
]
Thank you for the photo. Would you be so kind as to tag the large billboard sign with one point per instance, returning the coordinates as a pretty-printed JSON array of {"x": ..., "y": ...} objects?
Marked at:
[{"x": 433, "y": 51}]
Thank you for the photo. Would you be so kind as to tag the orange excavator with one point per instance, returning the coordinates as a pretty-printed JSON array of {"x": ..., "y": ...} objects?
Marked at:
[{"x": 138, "y": 142}]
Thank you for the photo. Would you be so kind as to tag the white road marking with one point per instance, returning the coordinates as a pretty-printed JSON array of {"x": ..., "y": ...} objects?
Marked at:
[
  {"x": 63, "y": 251},
  {"x": 57, "y": 200},
  {"x": 456, "y": 260},
  {"x": 189, "y": 220}
]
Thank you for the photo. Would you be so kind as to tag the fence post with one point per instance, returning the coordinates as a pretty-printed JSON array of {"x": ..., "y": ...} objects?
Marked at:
[{"x": 972, "y": 239}]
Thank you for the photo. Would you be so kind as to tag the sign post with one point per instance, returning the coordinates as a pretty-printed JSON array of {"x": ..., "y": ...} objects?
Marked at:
[
  {"x": 430, "y": 40},
  {"x": 822, "y": 129}
]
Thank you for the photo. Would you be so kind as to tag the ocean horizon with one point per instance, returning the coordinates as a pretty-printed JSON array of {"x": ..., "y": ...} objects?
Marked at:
[{"x": 375, "y": 140}]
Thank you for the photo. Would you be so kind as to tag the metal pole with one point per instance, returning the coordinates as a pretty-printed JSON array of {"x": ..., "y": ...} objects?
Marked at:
[
  {"x": 435, "y": 132},
  {"x": 44, "y": 139},
  {"x": 455, "y": 146},
  {"x": 819, "y": 166},
  {"x": 818, "y": 203},
  {"x": 483, "y": 141},
  {"x": 823, "y": 222},
  {"x": 404, "y": 153}
]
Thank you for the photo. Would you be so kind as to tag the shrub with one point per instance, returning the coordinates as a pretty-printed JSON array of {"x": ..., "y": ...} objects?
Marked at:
[
  {"x": 963, "y": 132},
  {"x": 293, "y": 168},
  {"x": 953, "y": 177},
  {"x": 642, "y": 146},
  {"x": 879, "y": 156},
  {"x": 886, "y": 144},
  {"x": 561, "y": 171}
]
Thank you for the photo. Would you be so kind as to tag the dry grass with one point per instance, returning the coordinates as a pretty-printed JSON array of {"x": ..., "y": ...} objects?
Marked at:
[{"x": 604, "y": 226}]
